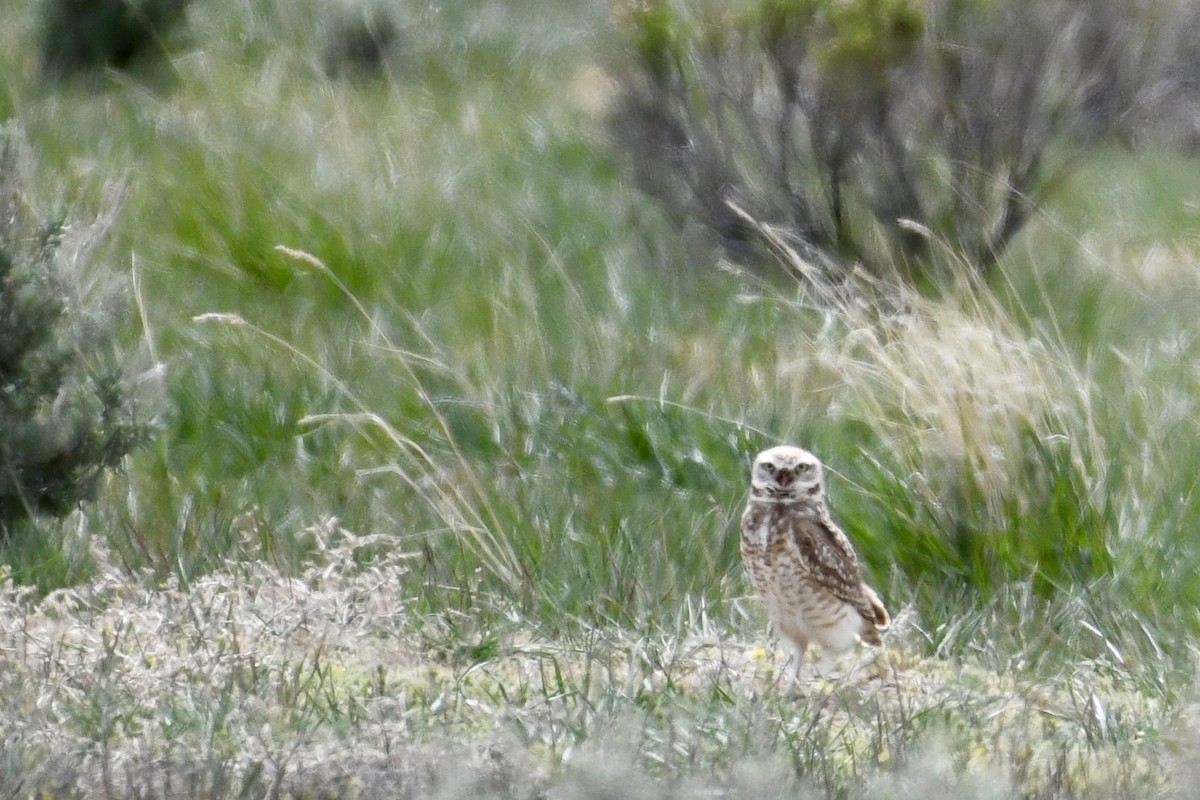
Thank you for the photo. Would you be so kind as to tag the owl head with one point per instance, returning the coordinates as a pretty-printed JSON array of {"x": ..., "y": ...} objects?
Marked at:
[{"x": 786, "y": 474}]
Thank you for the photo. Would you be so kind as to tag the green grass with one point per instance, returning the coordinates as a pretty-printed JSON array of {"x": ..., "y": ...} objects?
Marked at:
[{"x": 454, "y": 434}]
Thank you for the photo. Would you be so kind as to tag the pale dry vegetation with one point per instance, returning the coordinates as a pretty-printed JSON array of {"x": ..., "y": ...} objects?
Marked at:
[{"x": 251, "y": 682}]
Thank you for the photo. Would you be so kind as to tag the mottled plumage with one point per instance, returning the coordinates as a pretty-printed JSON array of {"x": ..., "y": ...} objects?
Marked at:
[{"x": 800, "y": 563}]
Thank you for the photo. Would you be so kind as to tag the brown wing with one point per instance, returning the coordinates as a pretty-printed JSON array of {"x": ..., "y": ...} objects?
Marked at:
[{"x": 828, "y": 554}]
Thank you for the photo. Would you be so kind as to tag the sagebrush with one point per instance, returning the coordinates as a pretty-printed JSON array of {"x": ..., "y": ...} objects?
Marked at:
[{"x": 911, "y": 139}]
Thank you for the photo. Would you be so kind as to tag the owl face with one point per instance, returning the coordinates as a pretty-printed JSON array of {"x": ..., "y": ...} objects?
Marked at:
[{"x": 785, "y": 474}]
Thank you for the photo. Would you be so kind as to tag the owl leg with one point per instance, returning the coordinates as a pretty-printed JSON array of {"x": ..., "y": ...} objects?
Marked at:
[
  {"x": 798, "y": 644},
  {"x": 824, "y": 664}
]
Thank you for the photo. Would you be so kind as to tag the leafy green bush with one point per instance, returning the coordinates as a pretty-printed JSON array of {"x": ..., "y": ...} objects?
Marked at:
[
  {"x": 360, "y": 44},
  {"x": 82, "y": 35},
  {"x": 891, "y": 134},
  {"x": 66, "y": 414}
]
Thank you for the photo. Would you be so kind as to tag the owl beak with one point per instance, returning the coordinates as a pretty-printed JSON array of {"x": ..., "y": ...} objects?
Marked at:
[{"x": 784, "y": 478}]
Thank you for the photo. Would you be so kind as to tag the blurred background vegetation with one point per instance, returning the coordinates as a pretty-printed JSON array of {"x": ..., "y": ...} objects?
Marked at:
[
  {"x": 435, "y": 309},
  {"x": 523, "y": 286}
]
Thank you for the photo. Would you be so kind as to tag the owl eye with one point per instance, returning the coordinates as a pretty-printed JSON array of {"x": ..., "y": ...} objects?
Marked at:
[
  {"x": 769, "y": 468},
  {"x": 802, "y": 468}
]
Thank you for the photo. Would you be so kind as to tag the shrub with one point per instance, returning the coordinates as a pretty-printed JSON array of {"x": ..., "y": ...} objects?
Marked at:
[
  {"x": 66, "y": 414},
  {"x": 360, "y": 44},
  {"x": 83, "y": 35},
  {"x": 891, "y": 134}
]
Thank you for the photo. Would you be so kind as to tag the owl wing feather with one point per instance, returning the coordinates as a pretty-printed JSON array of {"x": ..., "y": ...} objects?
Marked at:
[{"x": 827, "y": 553}]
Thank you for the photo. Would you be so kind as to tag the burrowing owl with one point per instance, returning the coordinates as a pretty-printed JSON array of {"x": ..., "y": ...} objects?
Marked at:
[{"x": 800, "y": 563}]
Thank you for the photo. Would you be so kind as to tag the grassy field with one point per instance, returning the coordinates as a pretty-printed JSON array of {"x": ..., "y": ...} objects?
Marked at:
[{"x": 454, "y": 436}]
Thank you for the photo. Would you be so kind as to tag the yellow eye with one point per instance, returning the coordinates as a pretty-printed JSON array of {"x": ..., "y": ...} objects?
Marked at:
[
  {"x": 768, "y": 467},
  {"x": 802, "y": 468}
]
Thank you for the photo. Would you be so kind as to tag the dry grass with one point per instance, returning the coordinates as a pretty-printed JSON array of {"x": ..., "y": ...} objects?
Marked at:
[
  {"x": 251, "y": 682},
  {"x": 954, "y": 385}
]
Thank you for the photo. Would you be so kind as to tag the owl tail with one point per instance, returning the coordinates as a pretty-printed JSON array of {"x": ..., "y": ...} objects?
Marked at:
[{"x": 881, "y": 620}]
